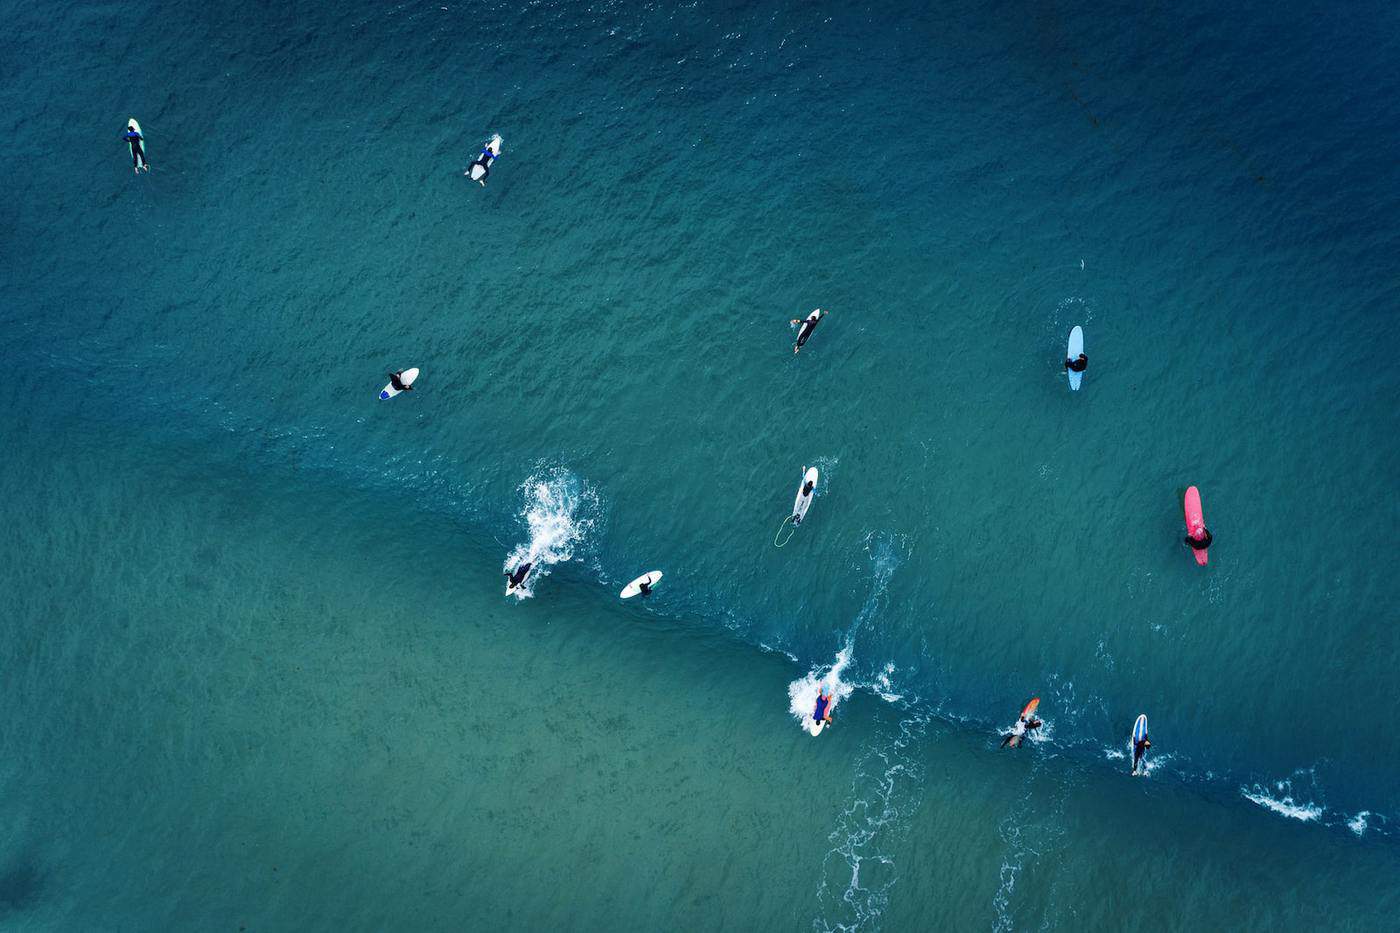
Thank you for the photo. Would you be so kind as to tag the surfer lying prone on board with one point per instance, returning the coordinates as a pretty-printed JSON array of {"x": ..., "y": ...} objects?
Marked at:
[
  {"x": 396, "y": 380},
  {"x": 809, "y": 324},
  {"x": 517, "y": 576},
  {"x": 804, "y": 497},
  {"x": 822, "y": 711},
  {"x": 134, "y": 139},
  {"x": 1139, "y": 750},
  {"x": 1201, "y": 543},
  {"x": 1077, "y": 365},
  {"x": 1018, "y": 731}
]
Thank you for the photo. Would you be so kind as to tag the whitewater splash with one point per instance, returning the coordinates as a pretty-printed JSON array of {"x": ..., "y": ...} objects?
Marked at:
[
  {"x": 803, "y": 692},
  {"x": 559, "y": 512}
]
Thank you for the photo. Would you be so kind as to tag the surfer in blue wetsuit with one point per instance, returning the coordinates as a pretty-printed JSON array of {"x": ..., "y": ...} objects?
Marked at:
[
  {"x": 809, "y": 324},
  {"x": 138, "y": 152},
  {"x": 484, "y": 160},
  {"x": 1077, "y": 365},
  {"x": 822, "y": 712},
  {"x": 396, "y": 380},
  {"x": 1140, "y": 751}
]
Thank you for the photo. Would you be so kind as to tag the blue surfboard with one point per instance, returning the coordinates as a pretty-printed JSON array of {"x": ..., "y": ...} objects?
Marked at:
[{"x": 1140, "y": 729}]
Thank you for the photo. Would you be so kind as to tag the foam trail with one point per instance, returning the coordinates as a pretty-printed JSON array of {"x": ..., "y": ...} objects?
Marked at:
[
  {"x": 558, "y": 513},
  {"x": 1285, "y": 805}
]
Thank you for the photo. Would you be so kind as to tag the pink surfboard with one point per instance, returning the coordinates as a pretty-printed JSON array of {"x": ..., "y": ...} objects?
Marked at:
[{"x": 1195, "y": 521}]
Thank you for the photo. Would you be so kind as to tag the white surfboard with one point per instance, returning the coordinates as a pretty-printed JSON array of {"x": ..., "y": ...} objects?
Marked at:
[
  {"x": 635, "y": 587},
  {"x": 802, "y": 503},
  {"x": 145, "y": 149},
  {"x": 494, "y": 147},
  {"x": 1076, "y": 347},
  {"x": 407, "y": 379}
]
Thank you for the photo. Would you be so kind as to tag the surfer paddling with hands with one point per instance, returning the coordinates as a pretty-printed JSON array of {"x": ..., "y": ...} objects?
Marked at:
[
  {"x": 1141, "y": 743},
  {"x": 1077, "y": 365},
  {"x": 1201, "y": 543},
  {"x": 1139, "y": 751},
  {"x": 135, "y": 140},
  {"x": 809, "y": 324},
  {"x": 516, "y": 578},
  {"x": 821, "y": 713},
  {"x": 1025, "y": 723},
  {"x": 804, "y": 497}
]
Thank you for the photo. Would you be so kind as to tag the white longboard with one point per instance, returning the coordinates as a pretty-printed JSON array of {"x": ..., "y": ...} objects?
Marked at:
[
  {"x": 802, "y": 503},
  {"x": 1076, "y": 347},
  {"x": 635, "y": 587},
  {"x": 493, "y": 147},
  {"x": 407, "y": 379}
]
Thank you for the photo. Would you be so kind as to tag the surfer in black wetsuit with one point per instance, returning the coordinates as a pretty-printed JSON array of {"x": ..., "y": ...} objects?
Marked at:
[
  {"x": 1018, "y": 731},
  {"x": 1201, "y": 543},
  {"x": 396, "y": 380},
  {"x": 1079, "y": 365},
  {"x": 518, "y": 576},
  {"x": 1139, "y": 751},
  {"x": 484, "y": 160},
  {"x": 809, "y": 324},
  {"x": 138, "y": 151},
  {"x": 807, "y": 488}
]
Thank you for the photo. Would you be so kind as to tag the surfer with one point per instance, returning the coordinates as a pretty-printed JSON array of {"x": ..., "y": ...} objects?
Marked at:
[
  {"x": 1201, "y": 543},
  {"x": 517, "y": 577},
  {"x": 809, "y": 324},
  {"x": 822, "y": 712},
  {"x": 643, "y": 587},
  {"x": 1023, "y": 725},
  {"x": 396, "y": 380},
  {"x": 484, "y": 162},
  {"x": 1077, "y": 365},
  {"x": 803, "y": 498},
  {"x": 138, "y": 152},
  {"x": 1140, "y": 751}
]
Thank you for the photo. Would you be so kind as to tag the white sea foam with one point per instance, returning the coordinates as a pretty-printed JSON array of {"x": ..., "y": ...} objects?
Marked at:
[
  {"x": 1284, "y": 805},
  {"x": 803, "y": 692},
  {"x": 559, "y": 511},
  {"x": 1357, "y": 824}
]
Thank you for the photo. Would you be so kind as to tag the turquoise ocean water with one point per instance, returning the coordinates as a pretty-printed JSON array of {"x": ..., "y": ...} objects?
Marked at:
[{"x": 258, "y": 670}]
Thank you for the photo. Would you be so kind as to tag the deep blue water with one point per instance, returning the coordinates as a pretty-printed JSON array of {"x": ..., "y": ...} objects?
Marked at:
[{"x": 256, "y": 613}]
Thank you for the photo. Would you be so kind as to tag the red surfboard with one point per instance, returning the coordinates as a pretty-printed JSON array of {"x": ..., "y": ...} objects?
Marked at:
[{"x": 1195, "y": 522}]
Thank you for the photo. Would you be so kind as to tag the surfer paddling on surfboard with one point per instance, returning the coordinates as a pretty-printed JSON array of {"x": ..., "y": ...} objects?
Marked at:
[
  {"x": 1141, "y": 743},
  {"x": 809, "y": 324},
  {"x": 136, "y": 141},
  {"x": 516, "y": 578},
  {"x": 479, "y": 169},
  {"x": 821, "y": 713},
  {"x": 804, "y": 497},
  {"x": 1025, "y": 723},
  {"x": 1077, "y": 365}
]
